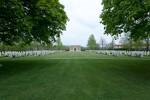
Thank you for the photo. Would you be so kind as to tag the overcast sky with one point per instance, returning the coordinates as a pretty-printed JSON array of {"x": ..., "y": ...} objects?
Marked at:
[{"x": 84, "y": 20}]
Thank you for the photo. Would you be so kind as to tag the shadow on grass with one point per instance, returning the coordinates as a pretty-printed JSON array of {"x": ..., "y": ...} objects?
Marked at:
[
  {"x": 13, "y": 67},
  {"x": 132, "y": 70}
]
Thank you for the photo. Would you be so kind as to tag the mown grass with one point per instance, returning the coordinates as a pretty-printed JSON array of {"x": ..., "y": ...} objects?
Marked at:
[{"x": 80, "y": 77}]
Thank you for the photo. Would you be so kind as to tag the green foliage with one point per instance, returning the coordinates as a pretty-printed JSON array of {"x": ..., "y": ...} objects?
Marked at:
[
  {"x": 131, "y": 44},
  {"x": 31, "y": 20},
  {"x": 21, "y": 46},
  {"x": 91, "y": 42},
  {"x": 59, "y": 44},
  {"x": 111, "y": 44},
  {"x": 126, "y": 16}
]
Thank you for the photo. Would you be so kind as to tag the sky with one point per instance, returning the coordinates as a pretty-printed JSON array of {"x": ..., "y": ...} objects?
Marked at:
[{"x": 83, "y": 20}]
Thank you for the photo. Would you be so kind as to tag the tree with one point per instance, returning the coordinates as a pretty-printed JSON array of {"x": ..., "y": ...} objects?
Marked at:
[
  {"x": 130, "y": 44},
  {"x": 127, "y": 16},
  {"x": 31, "y": 20},
  {"x": 91, "y": 42},
  {"x": 112, "y": 44},
  {"x": 59, "y": 43},
  {"x": 97, "y": 46},
  {"x": 147, "y": 43},
  {"x": 102, "y": 42},
  {"x": 139, "y": 44},
  {"x": 127, "y": 42}
]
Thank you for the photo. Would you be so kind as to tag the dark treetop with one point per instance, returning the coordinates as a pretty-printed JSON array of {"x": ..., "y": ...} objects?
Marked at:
[
  {"x": 28, "y": 20},
  {"x": 127, "y": 16}
]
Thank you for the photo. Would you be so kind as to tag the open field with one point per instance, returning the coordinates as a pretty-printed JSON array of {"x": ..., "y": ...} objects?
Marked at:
[{"x": 75, "y": 76}]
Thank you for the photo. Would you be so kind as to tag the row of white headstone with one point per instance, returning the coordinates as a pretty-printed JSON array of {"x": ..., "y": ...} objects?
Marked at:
[
  {"x": 14, "y": 54},
  {"x": 124, "y": 53}
]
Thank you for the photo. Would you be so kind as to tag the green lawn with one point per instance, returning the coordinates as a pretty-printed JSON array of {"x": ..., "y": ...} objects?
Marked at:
[{"x": 75, "y": 76}]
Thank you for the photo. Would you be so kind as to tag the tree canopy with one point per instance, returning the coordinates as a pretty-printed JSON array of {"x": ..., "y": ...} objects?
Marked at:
[
  {"x": 31, "y": 20},
  {"x": 91, "y": 42},
  {"x": 126, "y": 16}
]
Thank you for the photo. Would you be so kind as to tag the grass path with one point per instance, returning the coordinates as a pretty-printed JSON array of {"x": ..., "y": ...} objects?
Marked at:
[{"x": 74, "y": 79}]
